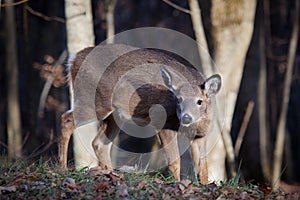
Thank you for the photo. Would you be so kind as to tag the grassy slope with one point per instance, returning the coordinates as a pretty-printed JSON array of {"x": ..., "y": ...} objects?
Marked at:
[{"x": 44, "y": 180}]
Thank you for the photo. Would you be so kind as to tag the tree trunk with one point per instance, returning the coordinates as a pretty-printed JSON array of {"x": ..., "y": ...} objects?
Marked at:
[
  {"x": 13, "y": 108},
  {"x": 264, "y": 137},
  {"x": 232, "y": 28},
  {"x": 281, "y": 128},
  {"x": 80, "y": 34},
  {"x": 200, "y": 38},
  {"x": 111, "y": 4},
  {"x": 211, "y": 168}
]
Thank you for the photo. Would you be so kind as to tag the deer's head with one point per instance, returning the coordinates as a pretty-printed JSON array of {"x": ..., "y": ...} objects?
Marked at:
[{"x": 193, "y": 101}]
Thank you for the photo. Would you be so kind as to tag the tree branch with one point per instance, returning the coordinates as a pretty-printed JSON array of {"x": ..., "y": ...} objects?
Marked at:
[
  {"x": 243, "y": 128},
  {"x": 13, "y": 4},
  {"x": 49, "y": 82},
  {"x": 177, "y": 7},
  {"x": 41, "y": 15},
  {"x": 45, "y": 148}
]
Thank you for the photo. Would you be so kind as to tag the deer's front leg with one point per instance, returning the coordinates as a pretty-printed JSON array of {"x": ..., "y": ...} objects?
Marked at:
[
  {"x": 201, "y": 166},
  {"x": 103, "y": 141},
  {"x": 67, "y": 129},
  {"x": 168, "y": 139}
]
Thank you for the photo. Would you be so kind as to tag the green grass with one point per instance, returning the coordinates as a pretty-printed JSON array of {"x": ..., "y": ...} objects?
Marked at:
[{"x": 46, "y": 180}]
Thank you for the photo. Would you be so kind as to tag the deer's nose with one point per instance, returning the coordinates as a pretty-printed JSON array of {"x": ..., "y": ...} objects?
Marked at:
[{"x": 186, "y": 119}]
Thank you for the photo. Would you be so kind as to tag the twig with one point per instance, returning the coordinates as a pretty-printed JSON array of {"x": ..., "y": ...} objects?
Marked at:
[
  {"x": 41, "y": 15},
  {"x": 177, "y": 7},
  {"x": 4, "y": 145},
  {"x": 46, "y": 147},
  {"x": 13, "y": 4},
  {"x": 25, "y": 139},
  {"x": 279, "y": 145},
  {"x": 49, "y": 82},
  {"x": 243, "y": 128}
]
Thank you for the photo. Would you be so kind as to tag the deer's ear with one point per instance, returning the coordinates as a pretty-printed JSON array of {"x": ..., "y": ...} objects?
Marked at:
[
  {"x": 212, "y": 85},
  {"x": 167, "y": 78}
]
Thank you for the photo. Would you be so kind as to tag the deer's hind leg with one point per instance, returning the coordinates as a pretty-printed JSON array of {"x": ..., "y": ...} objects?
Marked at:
[
  {"x": 168, "y": 139},
  {"x": 103, "y": 142}
]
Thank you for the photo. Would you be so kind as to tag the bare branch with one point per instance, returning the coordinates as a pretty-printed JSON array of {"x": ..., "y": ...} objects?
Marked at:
[
  {"x": 41, "y": 15},
  {"x": 13, "y": 4},
  {"x": 45, "y": 148},
  {"x": 177, "y": 7},
  {"x": 48, "y": 84},
  {"x": 200, "y": 38},
  {"x": 243, "y": 128},
  {"x": 3, "y": 144},
  {"x": 25, "y": 139}
]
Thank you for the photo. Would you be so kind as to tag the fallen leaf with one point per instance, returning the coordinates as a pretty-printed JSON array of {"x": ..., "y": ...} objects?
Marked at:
[
  {"x": 23, "y": 188},
  {"x": 289, "y": 187},
  {"x": 226, "y": 191},
  {"x": 19, "y": 181},
  {"x": 12, "y": 188},
  {"x": 159, "y": 181},
  {"x": 181, "y": 186},
  {"x": 141, "y": 185},
  {"x": 221, "y": 197},
  {"x": 211, "y": 187},
  {"x": 128, "y": 169},
  {"x": 186, "y": 182},
  {"x": 32, "y": 177},
  {"x": 122, "y": 191},
  {"x": 169, "y": 189},
  {"x": 265, "y": 189},
  {"x": 38, "y": 183},
  {"x": 68, "y": 181},
  {"x": 101, "y": 186}
]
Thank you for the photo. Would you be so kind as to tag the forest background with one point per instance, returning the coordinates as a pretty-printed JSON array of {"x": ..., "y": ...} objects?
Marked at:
[{"x": 29, "y": 60}]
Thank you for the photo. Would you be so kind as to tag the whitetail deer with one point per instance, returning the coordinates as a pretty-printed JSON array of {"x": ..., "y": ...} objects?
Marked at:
[{"x": 128, "y": 89}]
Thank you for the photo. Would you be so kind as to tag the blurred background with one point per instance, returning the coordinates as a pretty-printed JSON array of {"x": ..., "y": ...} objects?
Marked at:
[{"x": 254, "y": 44}]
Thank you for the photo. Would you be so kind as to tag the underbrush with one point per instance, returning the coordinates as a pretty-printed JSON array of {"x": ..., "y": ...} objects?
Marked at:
[{"x": 46, "y": 180}]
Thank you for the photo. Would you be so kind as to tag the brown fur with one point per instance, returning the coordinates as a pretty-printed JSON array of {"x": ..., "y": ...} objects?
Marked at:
[{"x": 142, "y": 99}]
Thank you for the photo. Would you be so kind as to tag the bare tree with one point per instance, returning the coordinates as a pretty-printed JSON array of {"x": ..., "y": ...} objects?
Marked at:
[
  {"x": 13, "y": 109},
  {"x": 80, "y": 35},
  {"x": 200, "y": 37},
  {"x": 111, "y": 4},
  {"x": 264, "y": 139},
  {"x": 232, "y": 28},
  {"x": 79, "y": 21},
  {"x": 215, "y": 159},
  {"x": 281, "y": 128}
]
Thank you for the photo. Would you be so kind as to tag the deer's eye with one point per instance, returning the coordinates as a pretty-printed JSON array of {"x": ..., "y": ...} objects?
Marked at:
[{"x": 199, "y": 102}]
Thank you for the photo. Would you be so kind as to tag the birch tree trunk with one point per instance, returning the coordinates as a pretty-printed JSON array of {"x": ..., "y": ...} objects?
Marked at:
[
  {"x": 80, "y": 34},
  {"x": 232, "y": 28},
  {"x": 13, "y": 108},
  {"x": 111, "y": 4},
  {"x": 212, "y": 167}
]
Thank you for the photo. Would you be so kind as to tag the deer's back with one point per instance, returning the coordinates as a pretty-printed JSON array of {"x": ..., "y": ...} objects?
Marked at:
[{"x": 133, "y": 83}]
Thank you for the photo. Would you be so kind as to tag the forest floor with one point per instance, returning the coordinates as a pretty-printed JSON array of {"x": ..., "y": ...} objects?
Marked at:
[{"x": 45, "y": 180}]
